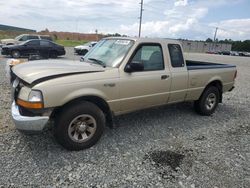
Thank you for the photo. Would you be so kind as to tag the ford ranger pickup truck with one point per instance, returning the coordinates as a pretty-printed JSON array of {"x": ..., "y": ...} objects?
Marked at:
[{"x": 118, "y": 76}]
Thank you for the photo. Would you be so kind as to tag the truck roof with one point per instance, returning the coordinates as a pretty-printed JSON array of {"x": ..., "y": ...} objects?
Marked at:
[{"x": 146, "y": 39}]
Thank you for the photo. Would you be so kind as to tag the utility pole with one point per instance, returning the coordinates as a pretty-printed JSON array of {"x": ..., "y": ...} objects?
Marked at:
[
  {"x": 215, "y": 34},
  {"x": 140, "y": 18}
]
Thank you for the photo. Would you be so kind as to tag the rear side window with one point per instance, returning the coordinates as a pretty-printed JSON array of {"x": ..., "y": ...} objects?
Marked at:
[
  {"x": 32, "y": 37},
  {"x": 176, "y": 55},
  {"x": 46, "y": 38}
]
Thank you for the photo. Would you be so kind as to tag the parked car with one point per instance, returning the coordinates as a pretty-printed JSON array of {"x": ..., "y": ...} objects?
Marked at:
[
  {"x": 83, "y": 49},
  {"x": 40, "y": 47},
  {"x": 118, "y": 76},
  {"x": 246, "y": 54},
  {"x": 225, "y": 53},
  {"x": 24, "y": 37},
  {"x": 234, "y": 53}
]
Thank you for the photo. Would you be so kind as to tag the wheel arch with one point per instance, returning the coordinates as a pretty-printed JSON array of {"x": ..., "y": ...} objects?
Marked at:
[
  {"x": 218, "y": 84},
  {"x": 18, "y": 50},
  {"x": 98, "y": 101}
]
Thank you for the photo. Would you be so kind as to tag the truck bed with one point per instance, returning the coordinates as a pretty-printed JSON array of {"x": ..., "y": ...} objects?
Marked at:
[{"x": 194, "y": 65}]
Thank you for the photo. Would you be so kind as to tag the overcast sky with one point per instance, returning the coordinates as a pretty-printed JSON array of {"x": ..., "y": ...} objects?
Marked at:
[{"x": 190, "y": 19}]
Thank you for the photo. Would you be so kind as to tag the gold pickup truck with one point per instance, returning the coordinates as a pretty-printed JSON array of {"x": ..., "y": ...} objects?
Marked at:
[{"x": 118, "y": 76}]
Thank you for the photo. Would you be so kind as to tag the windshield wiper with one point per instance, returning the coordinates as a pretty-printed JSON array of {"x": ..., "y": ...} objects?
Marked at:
[{"x": 97, "y": 61}]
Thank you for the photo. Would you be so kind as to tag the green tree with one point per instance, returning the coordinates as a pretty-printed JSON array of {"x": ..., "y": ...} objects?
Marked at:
[{"x": 209, "y": 40}]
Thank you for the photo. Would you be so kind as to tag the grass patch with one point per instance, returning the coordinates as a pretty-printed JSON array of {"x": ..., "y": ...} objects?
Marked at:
[
  {"x": 70, "y": 43},
  {"x": 6, "y": 37}
]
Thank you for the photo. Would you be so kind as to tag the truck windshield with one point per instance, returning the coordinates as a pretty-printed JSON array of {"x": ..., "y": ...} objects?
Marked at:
[
  {"x": 110, "y": 52},
  {"x": 18, "y": 37}
]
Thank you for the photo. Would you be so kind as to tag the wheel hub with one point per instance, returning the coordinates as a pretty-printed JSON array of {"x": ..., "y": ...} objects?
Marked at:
[
  {"x": 210, "y": 101},
  {"x": 82, "y": 127}
]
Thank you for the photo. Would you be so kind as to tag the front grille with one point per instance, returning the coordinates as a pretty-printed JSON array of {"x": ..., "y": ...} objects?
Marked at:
[
  {"x": 16, "y": 91},
  {"x": 12, "y": 76}
]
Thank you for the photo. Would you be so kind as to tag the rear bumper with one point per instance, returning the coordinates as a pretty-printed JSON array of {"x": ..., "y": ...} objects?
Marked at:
[{"x": 26, "y": 123}]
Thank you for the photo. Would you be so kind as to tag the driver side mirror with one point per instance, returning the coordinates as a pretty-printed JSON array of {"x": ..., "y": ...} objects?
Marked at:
[
  {"x": 82, "y": 59},
  {"x": 134, "y": 67}
]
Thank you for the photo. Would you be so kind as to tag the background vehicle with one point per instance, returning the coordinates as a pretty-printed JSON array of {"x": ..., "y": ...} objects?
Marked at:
[
  {"x": 225, "y": 53},
  {"x": 24, "y": 37},
  {"x": 83, "y": 49},
  {"x": 43, "y": 48},
  {"x": 120, "y": 75},
  {"x": 234, "y": 53}
]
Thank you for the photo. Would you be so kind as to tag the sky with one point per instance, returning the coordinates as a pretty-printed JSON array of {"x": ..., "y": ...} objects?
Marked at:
[{"x": 187, "y": 19}]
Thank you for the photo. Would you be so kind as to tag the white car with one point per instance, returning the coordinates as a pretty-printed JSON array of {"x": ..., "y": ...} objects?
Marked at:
[{"x": 83, "y": 49}]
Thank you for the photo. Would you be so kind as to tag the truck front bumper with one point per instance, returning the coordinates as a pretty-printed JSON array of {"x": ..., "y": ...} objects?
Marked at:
[{"x": 27, "y": 123}]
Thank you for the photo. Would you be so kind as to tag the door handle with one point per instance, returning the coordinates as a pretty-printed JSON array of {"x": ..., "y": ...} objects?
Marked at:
[{"x": 164, "y": 77}]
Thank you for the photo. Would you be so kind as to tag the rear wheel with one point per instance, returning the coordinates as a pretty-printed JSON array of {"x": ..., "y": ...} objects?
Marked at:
[
  {"x": 208, "y": 101},
  {"x": 79, "y": 126},
  {"x": 15, "y": 54}
]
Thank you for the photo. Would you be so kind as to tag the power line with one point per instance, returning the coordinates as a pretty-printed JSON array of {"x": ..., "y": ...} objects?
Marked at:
[{"x": 140, "y": 18}]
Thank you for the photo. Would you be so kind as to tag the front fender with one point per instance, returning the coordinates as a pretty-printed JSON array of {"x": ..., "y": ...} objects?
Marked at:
[{"x": 83, "y": 92}]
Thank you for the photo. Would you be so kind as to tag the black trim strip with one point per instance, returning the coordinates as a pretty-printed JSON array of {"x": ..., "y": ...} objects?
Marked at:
[
  {"x": 195, "y": 65},
  {"x": 58, "y": 76}
]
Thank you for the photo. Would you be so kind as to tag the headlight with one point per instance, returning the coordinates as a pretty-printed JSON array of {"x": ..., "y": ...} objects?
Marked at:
[
  {"x": 35, "y": 100},
  {"x": 35, "y": 96},
  {"x": 15, "y": 83}
]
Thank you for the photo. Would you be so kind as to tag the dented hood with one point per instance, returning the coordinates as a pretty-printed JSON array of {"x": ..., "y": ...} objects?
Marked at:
[{"x": 33, "y": 71}]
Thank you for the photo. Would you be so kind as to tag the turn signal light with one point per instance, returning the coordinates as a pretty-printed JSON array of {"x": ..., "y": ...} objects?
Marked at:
[{"x": 33, "y": 105}]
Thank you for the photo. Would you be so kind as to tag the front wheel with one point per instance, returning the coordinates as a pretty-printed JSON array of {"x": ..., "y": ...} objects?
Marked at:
[
  {"x": 79, "y": 126},
  {"x": 15, "y": 54},
  {"x": 208, "y": 101}
]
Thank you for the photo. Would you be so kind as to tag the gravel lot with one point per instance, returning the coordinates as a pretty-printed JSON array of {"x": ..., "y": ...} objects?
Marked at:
[{"x": 170, "y": 146}]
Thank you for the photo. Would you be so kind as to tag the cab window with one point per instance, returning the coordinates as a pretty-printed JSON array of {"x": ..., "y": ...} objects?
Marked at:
[
  {"x": 176, "y": 55},
  {"x": 151, "y": 56}
]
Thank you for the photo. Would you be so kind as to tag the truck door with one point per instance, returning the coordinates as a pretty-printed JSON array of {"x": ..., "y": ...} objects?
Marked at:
[
  {"x": 179, "y": 74},
  {"x": 147, "y": 87}
]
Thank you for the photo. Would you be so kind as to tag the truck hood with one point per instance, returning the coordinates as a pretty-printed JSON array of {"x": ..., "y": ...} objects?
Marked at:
[
  {"x": 81, "y": 47},
  {"x": 5, "y": 41},
  {"x": 41, "y": 70}
]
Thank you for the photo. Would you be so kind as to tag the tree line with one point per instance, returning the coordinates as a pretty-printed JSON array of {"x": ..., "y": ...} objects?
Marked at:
[{"x": 243, "y": 46}]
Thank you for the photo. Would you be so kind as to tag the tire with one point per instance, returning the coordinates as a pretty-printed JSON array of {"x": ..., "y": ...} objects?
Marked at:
[
  {"x": 15, "y": 54},
  {"x": 79, "y": 126},
  {"x": 53, "y": 54},
  {"x": 208, "y": 102}
]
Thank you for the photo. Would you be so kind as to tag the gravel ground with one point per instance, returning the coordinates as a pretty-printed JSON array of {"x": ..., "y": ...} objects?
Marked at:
[{"x": 169, "y": 146}]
